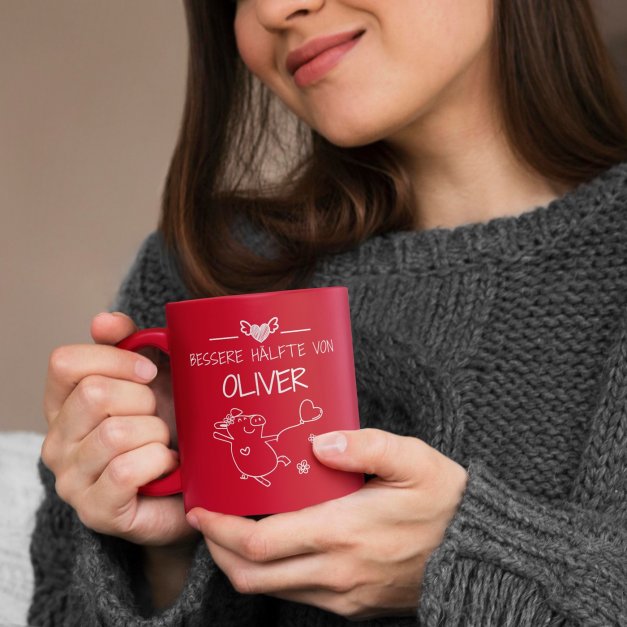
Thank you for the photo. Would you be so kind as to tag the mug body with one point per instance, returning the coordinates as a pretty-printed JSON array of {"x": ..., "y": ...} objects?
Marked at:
[{"x": 255, "y": 377}]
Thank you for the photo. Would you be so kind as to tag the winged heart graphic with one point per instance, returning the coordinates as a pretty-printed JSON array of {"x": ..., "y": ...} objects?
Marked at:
[{"x": 259, "y": 331}]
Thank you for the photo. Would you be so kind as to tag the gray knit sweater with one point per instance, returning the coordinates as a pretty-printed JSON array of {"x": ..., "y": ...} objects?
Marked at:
[{"x": 503, "y": 344}]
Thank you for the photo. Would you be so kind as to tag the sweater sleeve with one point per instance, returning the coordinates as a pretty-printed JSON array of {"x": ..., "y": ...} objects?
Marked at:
[
  {"x": 508, "y": 559},
  {"x": 85, "y": 578}
]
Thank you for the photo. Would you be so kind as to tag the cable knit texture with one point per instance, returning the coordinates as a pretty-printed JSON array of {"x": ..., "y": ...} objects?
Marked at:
[{"x": 503, "y": 344}]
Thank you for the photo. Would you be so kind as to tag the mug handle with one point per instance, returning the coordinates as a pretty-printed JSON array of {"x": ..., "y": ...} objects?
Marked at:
[{"x": 157, "y": 337}]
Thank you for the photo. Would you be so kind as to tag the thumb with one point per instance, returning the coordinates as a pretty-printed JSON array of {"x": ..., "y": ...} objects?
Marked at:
[
  {"x": 373, "y": 451},
  {"x": 111, "y": 328}
]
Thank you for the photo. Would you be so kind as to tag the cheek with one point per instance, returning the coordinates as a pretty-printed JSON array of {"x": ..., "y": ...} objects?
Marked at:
[
  {"x": 257, "y": 49},
  {"x": 437, "y": 46},
  {"x": 442, "y": 33},
  {"x": 254, "y": 48}
]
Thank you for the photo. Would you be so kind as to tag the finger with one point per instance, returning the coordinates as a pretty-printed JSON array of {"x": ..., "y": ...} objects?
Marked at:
[
  {"x": 118, "y": 484},
  {"x": 392, "y": 457},
  {"x": 68, "y": 365},
  {"x": 112, "y": 437},
  {"x": 311, "y": 579},
  {"x": 111, "y": 328},
  {"x": 96, "y": 398},
  {"x": 157, "y": 521},
  {"x": 309, "y": 530},
  {"x": 313, "y": 571}
]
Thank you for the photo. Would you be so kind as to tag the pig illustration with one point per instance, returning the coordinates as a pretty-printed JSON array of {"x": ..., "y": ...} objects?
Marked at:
[{"x": 252, "y": 451}]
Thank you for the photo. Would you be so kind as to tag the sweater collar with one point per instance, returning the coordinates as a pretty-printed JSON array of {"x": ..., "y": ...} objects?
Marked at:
[{"x": 506, "y": 237}]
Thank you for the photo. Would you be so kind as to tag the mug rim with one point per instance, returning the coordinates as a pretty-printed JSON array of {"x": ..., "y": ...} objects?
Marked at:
[{"x": 192, "y": 301}]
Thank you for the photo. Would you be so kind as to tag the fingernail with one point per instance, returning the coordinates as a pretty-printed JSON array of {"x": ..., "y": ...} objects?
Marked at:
[
  {"x": 330, "y": 443},
  {"x": 193, "y": 521},
  {"x": 145, "y": 369}
]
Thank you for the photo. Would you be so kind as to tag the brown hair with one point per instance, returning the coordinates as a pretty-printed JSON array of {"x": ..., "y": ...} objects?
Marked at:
[{"x": 563, "y": 108}]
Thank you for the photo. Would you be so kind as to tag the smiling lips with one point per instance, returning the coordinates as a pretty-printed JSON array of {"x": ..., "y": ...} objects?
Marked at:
[{"x": 318, "y": 56}]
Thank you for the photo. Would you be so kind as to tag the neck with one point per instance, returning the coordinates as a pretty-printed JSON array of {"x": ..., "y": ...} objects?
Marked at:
[
  {"x": 462, "y": 167},
  {"x": 479, "y": 185}
]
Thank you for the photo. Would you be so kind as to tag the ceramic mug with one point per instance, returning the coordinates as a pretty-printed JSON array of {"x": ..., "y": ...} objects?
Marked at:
[{"x": 255, "y": 377}]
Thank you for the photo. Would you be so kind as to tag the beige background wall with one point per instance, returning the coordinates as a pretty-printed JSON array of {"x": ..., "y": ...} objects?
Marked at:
[{"x": 90, "y": 100}]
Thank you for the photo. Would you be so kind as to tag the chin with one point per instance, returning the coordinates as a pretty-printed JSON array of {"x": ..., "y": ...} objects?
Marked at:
[{"x": 351, "y": 134}]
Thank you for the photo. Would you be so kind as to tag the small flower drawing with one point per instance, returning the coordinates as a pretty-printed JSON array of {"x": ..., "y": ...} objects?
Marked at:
[
  {"x": 303, "y": 467},
  {"x": 229, "y": 420},
  {"x": 311, "y": 437}
]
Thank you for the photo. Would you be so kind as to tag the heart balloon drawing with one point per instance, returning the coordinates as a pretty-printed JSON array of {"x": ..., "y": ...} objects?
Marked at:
[
  {"x": 259, "y": 331},
  {"x": 308, "y": 411}
]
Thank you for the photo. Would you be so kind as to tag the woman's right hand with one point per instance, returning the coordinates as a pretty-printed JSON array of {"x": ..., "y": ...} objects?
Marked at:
[{"x": 104, "y": 440}]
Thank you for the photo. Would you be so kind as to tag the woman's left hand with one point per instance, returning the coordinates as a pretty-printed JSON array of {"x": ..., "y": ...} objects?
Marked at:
[{"x": 359, "y": 556}]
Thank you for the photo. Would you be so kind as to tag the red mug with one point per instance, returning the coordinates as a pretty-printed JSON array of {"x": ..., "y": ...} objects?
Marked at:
[{"x": 255, "y": 377}]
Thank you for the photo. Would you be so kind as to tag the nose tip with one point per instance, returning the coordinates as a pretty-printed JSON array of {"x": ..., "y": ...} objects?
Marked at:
[{"x": 257, "y": 421}]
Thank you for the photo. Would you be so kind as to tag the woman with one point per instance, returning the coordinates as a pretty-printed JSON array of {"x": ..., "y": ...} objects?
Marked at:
[{"x": 462, "y": 167}]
